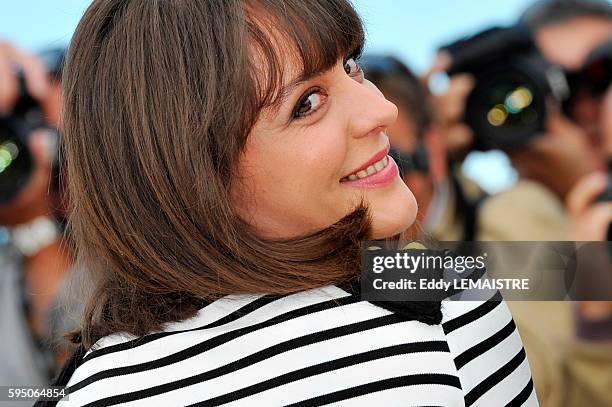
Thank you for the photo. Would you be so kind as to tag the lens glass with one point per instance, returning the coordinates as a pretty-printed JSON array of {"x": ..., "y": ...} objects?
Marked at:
[
  {"x": 510, "y": 105},
  {"x": 505, "y": 109}
]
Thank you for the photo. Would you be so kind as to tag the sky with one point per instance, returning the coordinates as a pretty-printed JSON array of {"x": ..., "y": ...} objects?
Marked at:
[{"x": 409, "y": 29}]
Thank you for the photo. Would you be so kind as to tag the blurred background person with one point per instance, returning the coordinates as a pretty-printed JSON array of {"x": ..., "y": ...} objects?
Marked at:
[
  {"x": 589, "y": 361},
  {"x": 34, "y": 257},
  {"x": 566, "y": 32},
  {"x": 549, "y": 164}
]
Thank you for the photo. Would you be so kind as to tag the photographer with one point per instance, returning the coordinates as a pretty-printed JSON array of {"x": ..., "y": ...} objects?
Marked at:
[
  {"x": 34, "y": 258},
  {"x": 553, "y": 151},
  {"x": 589, "y": 360},
  {"x": 551, "y": 165}
]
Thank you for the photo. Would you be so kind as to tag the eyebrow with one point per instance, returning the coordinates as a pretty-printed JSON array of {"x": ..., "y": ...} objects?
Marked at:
[{"x": 288, "y": 89}]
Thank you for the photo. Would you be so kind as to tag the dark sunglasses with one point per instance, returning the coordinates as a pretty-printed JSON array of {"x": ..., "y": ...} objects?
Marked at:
[
  {"x": 594, "y": 77},
  {"x": 414, "y": 161}
]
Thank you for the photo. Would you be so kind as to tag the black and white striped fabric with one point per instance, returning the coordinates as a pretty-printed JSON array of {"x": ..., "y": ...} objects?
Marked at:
[{"x": 318, "y": 347}]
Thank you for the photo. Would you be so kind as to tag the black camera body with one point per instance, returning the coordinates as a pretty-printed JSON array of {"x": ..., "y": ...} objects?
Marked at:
[
  {"x": 16, "y": 161},
  {"x": 593, "y": 79},
  {"x": 514, "y": 82}
]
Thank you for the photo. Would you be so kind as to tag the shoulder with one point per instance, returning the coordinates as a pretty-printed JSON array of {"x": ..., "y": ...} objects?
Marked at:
[
  {"x": 488, "y": 352},
  {"x": 475, "y": 315},
  {"x": 537, "y": 214},
  {"x": 242, "y": 339},
  {"x": 261, "y": 348}
]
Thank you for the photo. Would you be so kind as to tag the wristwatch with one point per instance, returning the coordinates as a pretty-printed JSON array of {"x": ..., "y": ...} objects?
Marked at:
[{"x": 31, "y": 237}]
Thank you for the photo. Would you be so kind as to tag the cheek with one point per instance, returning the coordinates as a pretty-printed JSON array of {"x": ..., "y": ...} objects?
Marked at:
[
  {"x": 306, "y": 161},
  {"x": 290, "y": 179},
  {"x": 317, "y": 157}
]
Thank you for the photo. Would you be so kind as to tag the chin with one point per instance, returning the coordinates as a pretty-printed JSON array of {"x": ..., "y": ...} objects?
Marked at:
[{"x": 393, "y": 212}]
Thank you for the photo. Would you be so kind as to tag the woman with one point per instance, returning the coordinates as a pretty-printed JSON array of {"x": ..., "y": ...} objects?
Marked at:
[{"x": 225, "y": 160}]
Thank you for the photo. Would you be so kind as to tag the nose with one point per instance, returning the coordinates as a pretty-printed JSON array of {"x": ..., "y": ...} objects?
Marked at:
[{"x": 371, "y": 113}]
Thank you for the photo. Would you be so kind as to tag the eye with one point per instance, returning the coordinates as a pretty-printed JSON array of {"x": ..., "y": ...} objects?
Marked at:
[
  {"x": 352, "y": 68},
  {"x": 309, "y": 103}
]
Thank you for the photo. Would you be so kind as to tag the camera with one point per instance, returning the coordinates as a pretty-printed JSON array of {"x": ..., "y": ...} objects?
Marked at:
[
  {"x": 507, "y": 106},
  {"x": 16, "y": 161},
  {"x": 514, "y": 83},
  {"x": 593, "y": 79}
]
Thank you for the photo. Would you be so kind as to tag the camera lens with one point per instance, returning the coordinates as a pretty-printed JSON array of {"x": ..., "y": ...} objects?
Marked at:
[
  {"x": 511, "y": 106},
  {"x": 15, "y": 163},
  {"x": 505, "y": 109}
]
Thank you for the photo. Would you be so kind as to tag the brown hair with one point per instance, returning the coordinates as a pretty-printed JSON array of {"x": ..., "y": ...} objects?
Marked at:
[{"x": 159, "y": 97}]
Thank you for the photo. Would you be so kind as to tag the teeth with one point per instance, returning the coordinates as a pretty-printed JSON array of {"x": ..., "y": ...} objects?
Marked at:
[{"x": 377, "y": 166}]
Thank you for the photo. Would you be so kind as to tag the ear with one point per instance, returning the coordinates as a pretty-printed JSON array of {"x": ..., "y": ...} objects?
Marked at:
[{"x": 437, "y": 153}]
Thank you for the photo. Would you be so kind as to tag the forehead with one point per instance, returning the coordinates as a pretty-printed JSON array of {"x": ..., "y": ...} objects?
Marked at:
[
  {"x": 296, "y": 40},
  {"x": 275, "y": 81},
  {"x": 568, "y": 43}
]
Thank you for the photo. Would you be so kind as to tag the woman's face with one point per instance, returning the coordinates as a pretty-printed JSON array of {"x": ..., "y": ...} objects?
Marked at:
[{"x": 310, "y": 162}]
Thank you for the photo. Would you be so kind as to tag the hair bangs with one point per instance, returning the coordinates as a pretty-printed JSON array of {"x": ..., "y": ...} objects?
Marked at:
[{"x": 314, "y": 34}]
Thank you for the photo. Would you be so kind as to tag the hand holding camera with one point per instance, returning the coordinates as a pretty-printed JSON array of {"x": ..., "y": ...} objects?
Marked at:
[
  {"x": 558, "y": 157},
  {"x": 589, "y": 218},
  {"x": 34, "y": 72}
]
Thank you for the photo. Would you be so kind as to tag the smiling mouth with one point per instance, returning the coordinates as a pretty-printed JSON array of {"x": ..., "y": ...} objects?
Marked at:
[{"x": 370, "y": 170}]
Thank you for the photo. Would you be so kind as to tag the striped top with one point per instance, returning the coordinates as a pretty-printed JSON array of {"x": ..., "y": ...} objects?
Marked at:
[{"x": 318, "y": 347}]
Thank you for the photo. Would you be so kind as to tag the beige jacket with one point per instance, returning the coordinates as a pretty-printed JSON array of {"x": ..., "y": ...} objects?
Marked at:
[{"x": 567, "y": 371}]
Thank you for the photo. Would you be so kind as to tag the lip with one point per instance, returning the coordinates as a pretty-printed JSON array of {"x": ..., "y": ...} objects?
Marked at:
[
  {"x": 376, "y": 157},
  {"x": 378, "y": 179}
]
